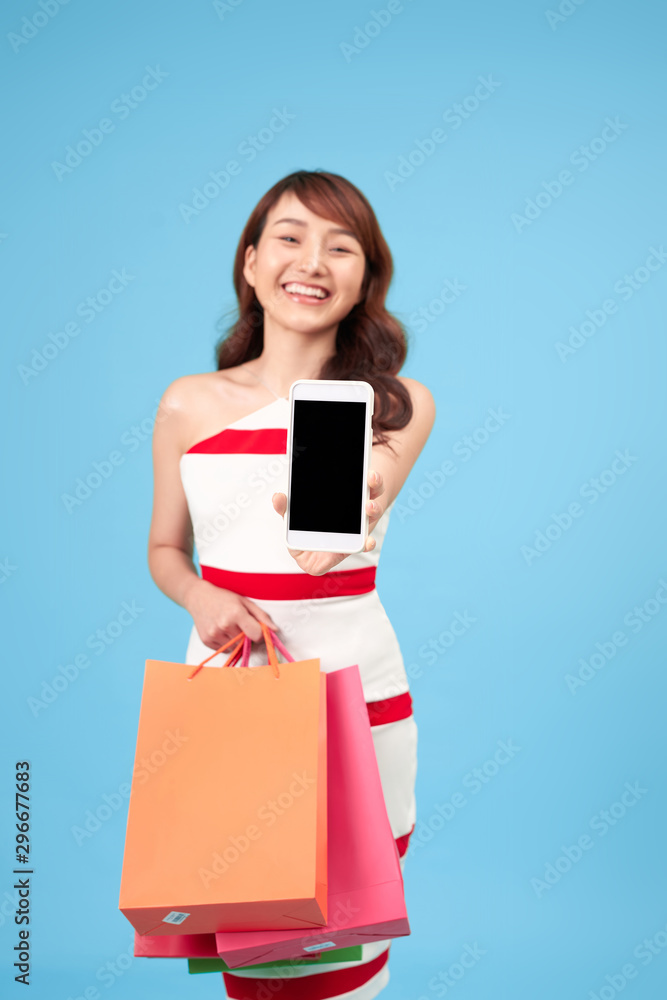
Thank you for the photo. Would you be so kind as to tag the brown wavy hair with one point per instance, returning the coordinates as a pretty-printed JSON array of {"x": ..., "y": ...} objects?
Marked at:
[{"x": 371, "y": 344}]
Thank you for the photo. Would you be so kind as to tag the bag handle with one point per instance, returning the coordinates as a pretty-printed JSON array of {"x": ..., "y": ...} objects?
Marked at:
[
  {"x": 281, "y": 649},
  {"x": 241, "y": 650},
  {"x": 247, "y": 644}
]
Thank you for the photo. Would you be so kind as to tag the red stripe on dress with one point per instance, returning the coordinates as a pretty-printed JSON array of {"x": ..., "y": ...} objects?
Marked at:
[
  {"x": 263, "y": 441},
  {"x": 402, "y": 842},
  {"x": 293, "y": 586},
  {"x": 390, "y": 709},
  {"x": 319, "y": 986}
]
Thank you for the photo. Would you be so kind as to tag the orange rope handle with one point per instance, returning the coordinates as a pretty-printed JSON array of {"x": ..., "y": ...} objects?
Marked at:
[
  {"x": 273, "y": 659},
  {"x": 236, "y": 652},
  {"x": 235, "y": 655},
  {"x": 220, "y": 650}
]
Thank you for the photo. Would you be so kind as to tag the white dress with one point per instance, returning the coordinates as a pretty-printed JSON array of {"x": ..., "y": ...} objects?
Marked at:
[{"x": 228, "y": 480}]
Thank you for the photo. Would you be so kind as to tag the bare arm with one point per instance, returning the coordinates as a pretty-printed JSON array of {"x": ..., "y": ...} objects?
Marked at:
[
  {"x": 170, "y": 539},
  {"x": 218, "y": 614},
  {"x": 394, "y": 467}
]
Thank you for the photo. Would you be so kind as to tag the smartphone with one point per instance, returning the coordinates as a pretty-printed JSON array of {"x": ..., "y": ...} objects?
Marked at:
[{"x": 329, "y": 442}]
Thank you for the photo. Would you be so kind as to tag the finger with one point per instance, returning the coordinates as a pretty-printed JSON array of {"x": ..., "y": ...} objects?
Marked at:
[
  {"x": 374, "y": 511},
  {"x": 215, "y": 643},
  {"x": 376, "y": 483},
  {"x": 370, "y": 544},
  {"x": 248, "y": 624},
  {"x": 336, "y": 557},
  {"x": 279, "y": 501},
  {"x": 221, "y": 640},
  {"x": 261, "y": 615}
]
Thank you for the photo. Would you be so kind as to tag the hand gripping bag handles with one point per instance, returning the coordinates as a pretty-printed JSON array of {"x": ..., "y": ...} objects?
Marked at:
[{"x": 227, "y": 821}]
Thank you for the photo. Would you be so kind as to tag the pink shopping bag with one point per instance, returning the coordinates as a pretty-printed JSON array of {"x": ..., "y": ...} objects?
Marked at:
[
  {"x": 366, "y": 900},
  {"x": 175, "y": 946}
]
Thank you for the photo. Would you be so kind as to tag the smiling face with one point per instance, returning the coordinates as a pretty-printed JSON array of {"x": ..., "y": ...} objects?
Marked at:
[{"x": 307, "y": 271}]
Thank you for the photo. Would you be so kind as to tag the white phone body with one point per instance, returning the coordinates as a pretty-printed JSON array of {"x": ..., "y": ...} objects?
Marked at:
[{"x": 329, "y": 441}]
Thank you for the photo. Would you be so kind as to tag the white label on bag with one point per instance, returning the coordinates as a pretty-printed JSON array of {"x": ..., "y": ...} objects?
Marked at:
[
  {"x": 175, "y": 917},
  {"x": 319, "y": 947}
]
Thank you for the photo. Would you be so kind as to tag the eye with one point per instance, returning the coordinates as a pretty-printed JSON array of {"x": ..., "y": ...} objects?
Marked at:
[
  {"x": 286, "y": 238},
  {"x": 342, "y": 249}
]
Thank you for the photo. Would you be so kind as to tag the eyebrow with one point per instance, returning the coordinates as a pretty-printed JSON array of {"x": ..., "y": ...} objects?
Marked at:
[{"x": 300, "y": 222}]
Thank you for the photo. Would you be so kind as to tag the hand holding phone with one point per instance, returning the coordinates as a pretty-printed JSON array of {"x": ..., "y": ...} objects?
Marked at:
[
  {"x": 318, "y": 563},
  {"x": 331, "y": 502}
]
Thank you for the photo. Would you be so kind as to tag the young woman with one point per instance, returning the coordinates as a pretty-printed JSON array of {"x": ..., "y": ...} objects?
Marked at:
[{"x": 311, "y": 274}]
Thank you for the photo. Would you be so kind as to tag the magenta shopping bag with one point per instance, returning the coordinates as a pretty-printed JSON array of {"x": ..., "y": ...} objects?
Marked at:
[{"x": 366, "y": 900}]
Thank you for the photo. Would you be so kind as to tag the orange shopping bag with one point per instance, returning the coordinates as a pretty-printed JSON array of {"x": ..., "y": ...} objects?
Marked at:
[{"x": 227, "y": 830}]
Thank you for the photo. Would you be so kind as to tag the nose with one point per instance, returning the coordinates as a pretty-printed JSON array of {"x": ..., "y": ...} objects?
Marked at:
[{"x": 311, "y": 260}]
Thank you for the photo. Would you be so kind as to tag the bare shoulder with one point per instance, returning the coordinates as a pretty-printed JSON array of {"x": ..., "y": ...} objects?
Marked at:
[
  {"x": 422, "y": 401},
  {"x": 409, "y": 440},
  {"x": 175, "y": 413},
  {"x": 193, "y": 395},
  {"x": 198, "y": 405},
  {"x": 183, "y": 393}
]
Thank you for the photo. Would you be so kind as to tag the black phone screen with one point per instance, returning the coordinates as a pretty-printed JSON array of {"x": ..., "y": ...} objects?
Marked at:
[{"x": 326, "y": 490}]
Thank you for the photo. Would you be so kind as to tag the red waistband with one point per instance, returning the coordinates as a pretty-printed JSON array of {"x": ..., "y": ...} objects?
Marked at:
[
  {"x": 293, "y": 586},
  {"x": 390, "y": 709}
]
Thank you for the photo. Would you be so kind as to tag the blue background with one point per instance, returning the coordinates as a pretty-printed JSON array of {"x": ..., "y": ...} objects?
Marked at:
[{"x": 459, "y": 215}]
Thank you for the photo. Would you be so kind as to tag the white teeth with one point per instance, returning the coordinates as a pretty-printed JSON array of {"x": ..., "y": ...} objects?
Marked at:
[{"x": 305, "y": 290}]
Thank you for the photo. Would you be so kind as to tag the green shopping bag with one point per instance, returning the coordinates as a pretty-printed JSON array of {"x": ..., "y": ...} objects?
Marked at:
[{"x": 353, "y": 954}]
